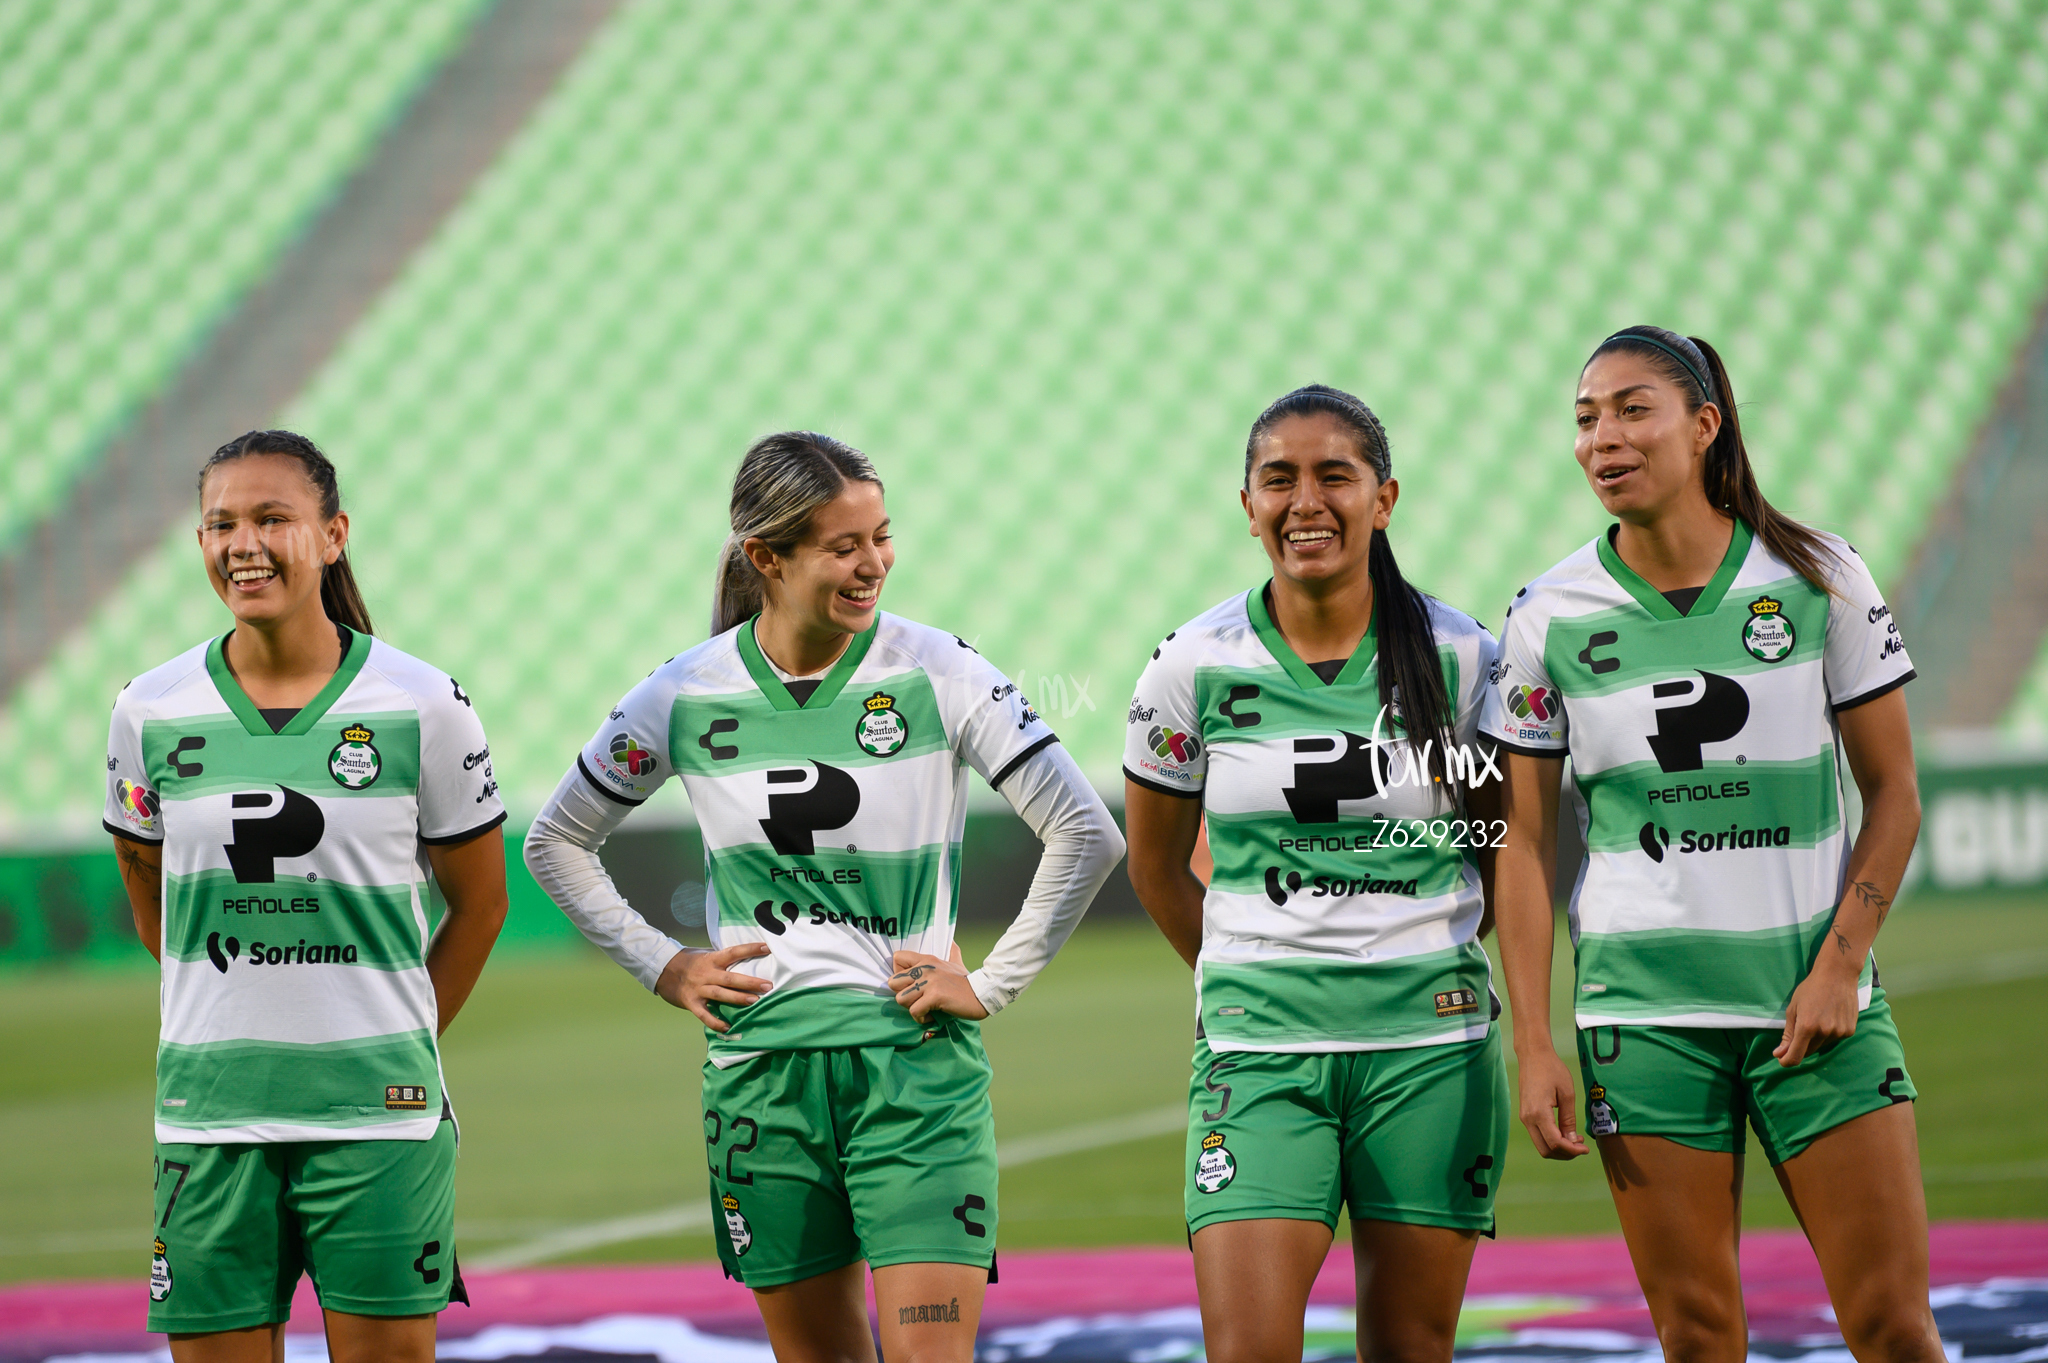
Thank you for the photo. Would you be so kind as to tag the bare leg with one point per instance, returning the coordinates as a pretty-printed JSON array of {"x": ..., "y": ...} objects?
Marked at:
[
  {"x": 1681, "y": 1213},
  {"x": 257, "y": 1344},
  {"x": 819, "y": 1320},
  {"x": 1411, "y": 1282},
  {"x": 380, "y": 1339},
  {"x": 1254, "y": 1278},
  {"x": 929, "y": 1311},
  {"x": 1857, "y": 1192}
]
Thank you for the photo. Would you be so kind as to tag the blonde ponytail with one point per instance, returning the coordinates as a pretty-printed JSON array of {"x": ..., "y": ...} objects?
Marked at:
[{"x": 783, "y": 480}]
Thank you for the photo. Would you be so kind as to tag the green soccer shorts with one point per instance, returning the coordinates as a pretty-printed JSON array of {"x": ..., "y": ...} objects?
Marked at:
[
  {"x": 373, "y": 1222},
  {"x": 820, "y": 1158},
  {"x": 1417, "y": 1135},
  {"x": 1697, "y": 1085}
]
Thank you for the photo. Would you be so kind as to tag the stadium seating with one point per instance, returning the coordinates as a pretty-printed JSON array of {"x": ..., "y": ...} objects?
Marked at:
[
  {"x": 154, "y": 156},
  {"x": 1046, "y": 264}
]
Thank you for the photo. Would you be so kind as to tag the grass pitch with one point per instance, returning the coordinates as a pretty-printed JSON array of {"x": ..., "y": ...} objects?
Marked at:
[{"x": 578, "y": 1097}]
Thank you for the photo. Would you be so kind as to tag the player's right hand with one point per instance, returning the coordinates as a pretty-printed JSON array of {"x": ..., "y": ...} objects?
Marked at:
[
  {"x": 695, "y": 978},
  {"x": 1550, "y": 1105}
]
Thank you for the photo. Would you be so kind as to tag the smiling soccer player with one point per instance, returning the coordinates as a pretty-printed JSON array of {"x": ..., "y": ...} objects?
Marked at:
[
  {"x": 278, "y": 798},
  {"x": 1324, "y": 723},
  {"x": 825, "y": 747},
  {"x": 1706, "y": 664}
]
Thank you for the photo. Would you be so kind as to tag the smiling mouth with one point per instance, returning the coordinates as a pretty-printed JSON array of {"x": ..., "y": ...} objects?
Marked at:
[
  {"x": 1305, "y": 539},
  {"x": 251, "y": 577},
  {"x": 1609, "y": 477},
  {"x": 861, "y": 596}
]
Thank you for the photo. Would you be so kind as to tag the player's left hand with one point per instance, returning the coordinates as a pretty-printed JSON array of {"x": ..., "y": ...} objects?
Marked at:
[
  {"x": 925, "y": 985},
  {"x": 1822, "y": 1010}
]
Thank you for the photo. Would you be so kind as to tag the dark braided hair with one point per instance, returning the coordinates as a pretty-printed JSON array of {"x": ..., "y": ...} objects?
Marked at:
[
  {"x": 1408, "y": 657},
  {"x": 1695, "y": 369},
  {"x": 339, "y": 595}
]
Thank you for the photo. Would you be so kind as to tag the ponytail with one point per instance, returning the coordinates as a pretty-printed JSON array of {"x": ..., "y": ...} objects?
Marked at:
[
  {"x": 1696, "y": 370},
  {"x": 1411, "y": 670},
  {"x": 736, "y": 593},
  {"x": 783, "y": 480},
  {"x": 340, "y": 597}
]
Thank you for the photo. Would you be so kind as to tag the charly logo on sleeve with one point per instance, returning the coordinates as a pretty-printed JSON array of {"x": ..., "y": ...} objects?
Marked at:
[
  {"x": 882, "y": 730},
  {"x": 1767, "y": 633},
  {"x": 1215, "y": 1168},
  {"x": 355, "y": 763},
  {"x": 139, "y": 804}
]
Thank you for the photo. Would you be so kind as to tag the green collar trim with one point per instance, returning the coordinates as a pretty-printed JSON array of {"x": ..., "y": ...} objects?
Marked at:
[
  {"x": 772, "y": 686},
  {"x": 1269, "y": 634},
  {"x": 1653, "y": 601},
  {"x": 352, "y": 659}
]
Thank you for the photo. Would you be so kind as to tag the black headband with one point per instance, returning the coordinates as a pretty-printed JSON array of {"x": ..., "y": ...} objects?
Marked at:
[{"x": 1694, "y": 367}]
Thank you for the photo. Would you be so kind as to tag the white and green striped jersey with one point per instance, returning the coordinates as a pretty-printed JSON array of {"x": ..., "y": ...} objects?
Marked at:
[
  {"x": 296, "y": 1003},
  {"x": 831, "y": 825},
  {"x": 1344, "y": 909},
  {"x": 1705, "y": 765}
]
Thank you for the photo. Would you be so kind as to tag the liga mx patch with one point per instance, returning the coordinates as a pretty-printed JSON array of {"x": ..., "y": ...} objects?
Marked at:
[
  {"x": 405, "y": 1097},
  {"x": 1452, "y": 1002}
]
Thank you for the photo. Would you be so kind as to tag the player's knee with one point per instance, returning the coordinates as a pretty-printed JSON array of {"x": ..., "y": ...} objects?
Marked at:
[
  {"x": 1702, "y": 1329},
  {"x": 1890, "y": 1328},
  {"x": 1246, "y": 1343}
]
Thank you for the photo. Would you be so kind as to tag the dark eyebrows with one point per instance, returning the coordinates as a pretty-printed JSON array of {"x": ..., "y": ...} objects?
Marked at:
[{"x": 217, "y": 512}]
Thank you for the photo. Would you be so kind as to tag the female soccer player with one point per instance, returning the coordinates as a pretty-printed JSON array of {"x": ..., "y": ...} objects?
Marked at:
[
  {"x": 1704, "y": 663},
  {"x": 278, "y": 797},
  {"x": 1345, "y": 1050},
  {"x": 825, "y": 748}
]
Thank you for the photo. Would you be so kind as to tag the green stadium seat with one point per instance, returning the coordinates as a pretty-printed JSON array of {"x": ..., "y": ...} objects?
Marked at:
[{"x": 1045, "y": 266}]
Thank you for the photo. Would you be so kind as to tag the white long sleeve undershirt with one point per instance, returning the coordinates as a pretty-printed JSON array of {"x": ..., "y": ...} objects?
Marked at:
[{"x": 1048, "y": 791}]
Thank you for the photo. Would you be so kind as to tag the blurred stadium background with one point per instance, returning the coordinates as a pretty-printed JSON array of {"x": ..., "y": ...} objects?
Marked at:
[{"x": 535, "y": 272}]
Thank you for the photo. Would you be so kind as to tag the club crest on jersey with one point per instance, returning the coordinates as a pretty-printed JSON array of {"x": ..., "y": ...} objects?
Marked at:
[
  {"x": 882, "y": 730},
  {"x": 355, "y": 763},
  {"x": 1767, "y": 634},
  {"x": 159, "y": 1272},
  {"x": 736, "y": 1227},
  {"x": 1215, "y": 1168}
]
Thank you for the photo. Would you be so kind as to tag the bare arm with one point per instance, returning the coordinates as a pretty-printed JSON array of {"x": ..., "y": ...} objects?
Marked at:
[
  {"x": 142, "y": 876},
  {"x": 472, "y": 879},
  {"x": 1879, "y": 745},
  {"x": 1525, "y": 879},
  {"x": 1482, "y": 810},
  {"x": 1162, "y": 831}
]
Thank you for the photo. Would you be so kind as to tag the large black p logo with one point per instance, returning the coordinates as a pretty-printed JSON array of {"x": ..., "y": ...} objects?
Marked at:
[
  {"x": 796, "y": 817},
  {"x": 1319, "y": 785},
  {"x": 292, "y": 829},
  {"x": 1716, "y": 715}
]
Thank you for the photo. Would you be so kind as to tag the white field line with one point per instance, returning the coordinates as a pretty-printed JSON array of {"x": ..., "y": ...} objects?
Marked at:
[{"x": 695, "y": 1215}]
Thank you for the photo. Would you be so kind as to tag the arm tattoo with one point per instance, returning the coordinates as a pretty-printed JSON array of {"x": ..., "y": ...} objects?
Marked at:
[
  {"x": 1868, "y": 892},
  {"x": 1842, "y": 942},
  {"x": 137, "y": 867}
]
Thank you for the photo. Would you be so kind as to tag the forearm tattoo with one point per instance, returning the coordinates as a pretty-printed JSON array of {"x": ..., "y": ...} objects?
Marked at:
[{"x": 1873, "y": 897}]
